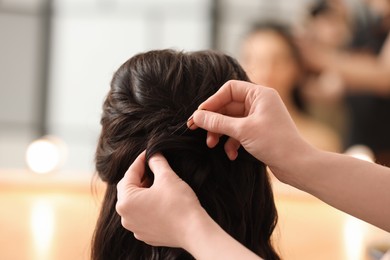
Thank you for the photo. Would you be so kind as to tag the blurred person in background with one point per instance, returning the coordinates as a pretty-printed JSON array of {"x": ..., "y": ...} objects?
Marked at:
[
  {"x": 355, "y": 63},
  {"x": 328, "y": 23},
  {"x": 271, "y": 58}
]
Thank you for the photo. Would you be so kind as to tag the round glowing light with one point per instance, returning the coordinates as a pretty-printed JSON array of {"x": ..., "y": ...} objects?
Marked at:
[
  {"x": 361, "y": 152},
  {"x": 45, "y": 154}
]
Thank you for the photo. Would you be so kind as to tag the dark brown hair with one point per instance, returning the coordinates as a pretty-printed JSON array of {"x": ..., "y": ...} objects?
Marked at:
[{"x": 151, "y": 96}]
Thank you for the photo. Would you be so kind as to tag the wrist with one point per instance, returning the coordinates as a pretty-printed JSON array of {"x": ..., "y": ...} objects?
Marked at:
[
  {"x": 292, "y": 167},
  {"x": 198, "y": 225},
  {"x": 304, "y": 170},
  {"x": 208, "y": 240}
]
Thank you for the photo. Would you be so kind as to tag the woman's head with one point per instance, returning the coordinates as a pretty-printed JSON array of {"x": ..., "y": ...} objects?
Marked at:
[
  {"x": 151, "y": 97},
  {"x": 270, "y": 57}
]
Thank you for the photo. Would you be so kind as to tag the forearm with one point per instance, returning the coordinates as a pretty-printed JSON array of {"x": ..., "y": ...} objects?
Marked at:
[
  {"x": 359, "y": 188},
  {"x": 361, "y": 72},
  {"x": 207, "y": 240}
]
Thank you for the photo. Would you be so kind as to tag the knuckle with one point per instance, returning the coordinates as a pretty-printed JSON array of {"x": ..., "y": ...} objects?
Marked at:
[
  {"x": 215, "y": 122},
  {"x": 272, "y": 92},
  {"x": 231, "y": 81},
  {"x": 120, "y": 208},
  {"x": 155, "y": 159}
]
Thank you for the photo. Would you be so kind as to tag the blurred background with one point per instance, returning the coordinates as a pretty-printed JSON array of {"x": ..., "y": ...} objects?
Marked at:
[{"x": 56, "y": 61}]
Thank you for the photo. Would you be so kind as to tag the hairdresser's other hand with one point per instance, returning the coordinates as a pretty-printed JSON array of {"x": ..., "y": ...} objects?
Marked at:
[
  {"x": 169, "y": 214},
  {"x": 254, "y": 117},
  {"x": 161, "y": 215}
]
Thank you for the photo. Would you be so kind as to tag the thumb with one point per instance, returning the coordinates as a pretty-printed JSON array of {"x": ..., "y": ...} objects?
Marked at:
[
  {"x": 216, "y": 123},
  {"x": 130, "y": 183},
  {"x": 160, "y": 167},
  {"x": 133, "y": 176}
]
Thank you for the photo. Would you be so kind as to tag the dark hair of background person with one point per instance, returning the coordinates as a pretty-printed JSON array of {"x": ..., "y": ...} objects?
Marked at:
[
  {"x": 151, "y": 97},
  {"x": 284, "y": 32},
  {"x": 319, "y": 7}
]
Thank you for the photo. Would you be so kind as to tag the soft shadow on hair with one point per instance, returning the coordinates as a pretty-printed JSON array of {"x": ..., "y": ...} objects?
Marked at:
[{"x": 151, "y": 97}]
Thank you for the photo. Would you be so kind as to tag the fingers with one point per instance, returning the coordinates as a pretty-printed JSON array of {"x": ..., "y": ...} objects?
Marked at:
[
  {"x": 216, "y": 123},
  {"x": 231, "y": 91},
  {"x": 212, "y": 139},
  {"x": 160, "y": 166},
  {"x": 234, "y": 109},
  {"x": 229, "y": 100},
  {"x": 217, "y": 114},
  {"x": 133, "y": 176},
  {"x": 131, "y": 183},
  {"x": 231, "y": 148}
]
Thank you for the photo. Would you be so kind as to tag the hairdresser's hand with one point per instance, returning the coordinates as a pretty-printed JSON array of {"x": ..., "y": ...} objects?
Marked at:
[
  {"x": 165, "y": 213},
  {"x": 169, "y": 214},
  {"x": 254, "y": 117}
]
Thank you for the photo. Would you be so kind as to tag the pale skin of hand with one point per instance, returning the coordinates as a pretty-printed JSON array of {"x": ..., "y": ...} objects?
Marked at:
[
  {"x": 265, "y": 129},
  {"x": 259, "y": 122},
  {"x": 169, "y": 214}
]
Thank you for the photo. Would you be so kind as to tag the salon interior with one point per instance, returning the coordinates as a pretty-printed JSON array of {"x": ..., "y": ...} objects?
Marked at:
[{"x": 57, "y": 58}]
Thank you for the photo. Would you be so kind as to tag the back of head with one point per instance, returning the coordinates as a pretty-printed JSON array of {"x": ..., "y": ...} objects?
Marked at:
[{"x": 151, "y": 97}]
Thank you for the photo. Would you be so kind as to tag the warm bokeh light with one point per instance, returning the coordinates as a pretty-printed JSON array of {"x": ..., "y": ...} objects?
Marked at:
[
  {"x": 353, "y": 238},
  {"x": 42, "y": 226},
  {"x": 361, "y": 152},
  {"x": 45, "y": 154}
]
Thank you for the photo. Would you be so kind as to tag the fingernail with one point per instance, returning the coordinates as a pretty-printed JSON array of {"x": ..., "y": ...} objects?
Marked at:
[{"x": 190, "y": 121}]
